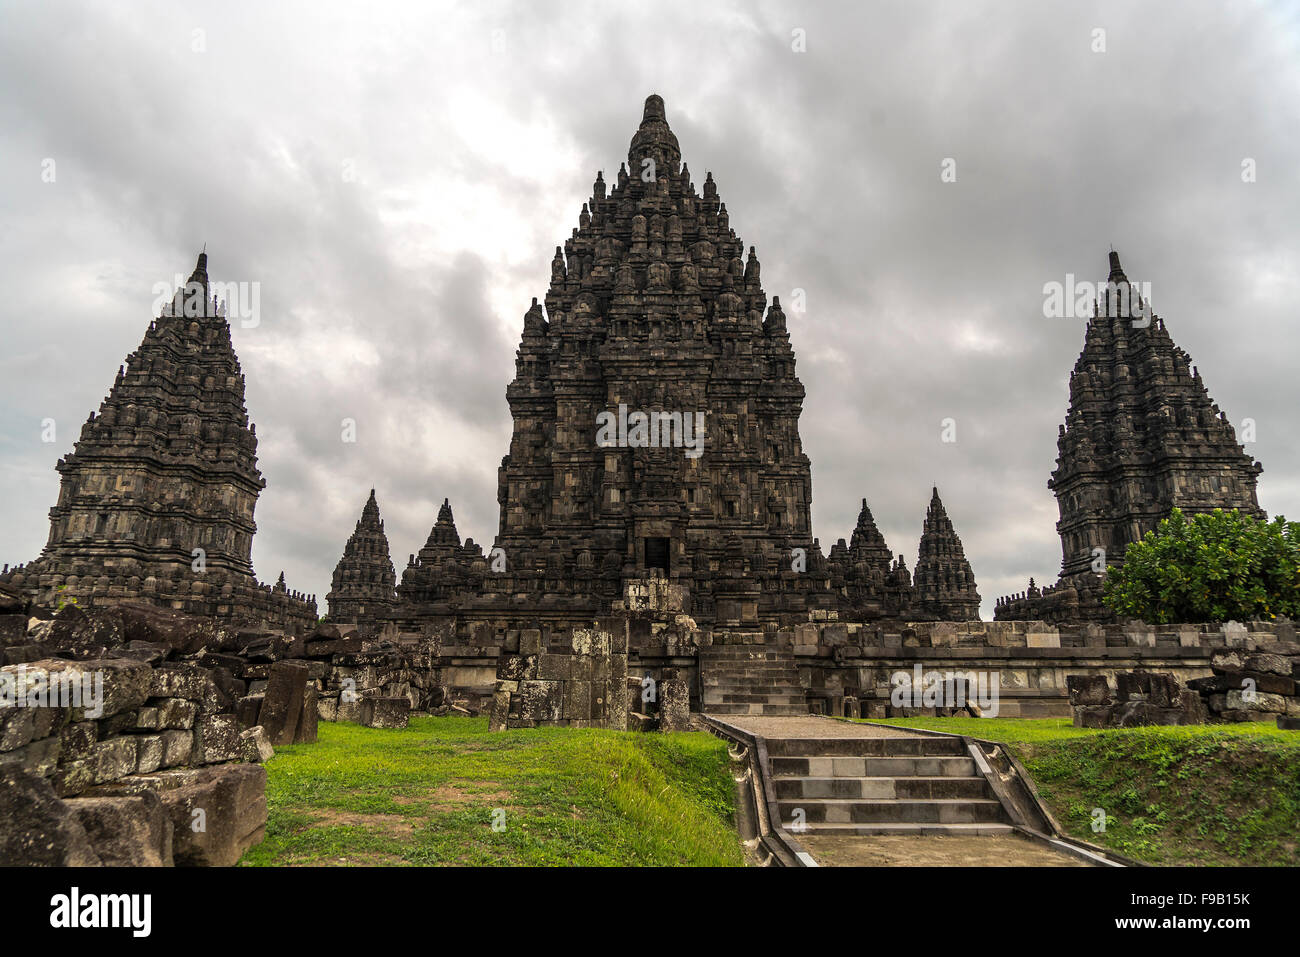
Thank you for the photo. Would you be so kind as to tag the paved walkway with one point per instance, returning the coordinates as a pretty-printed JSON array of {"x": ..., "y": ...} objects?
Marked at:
[
  {"x": 808, "y": 726},
  {"x": 888, "y": 850}
]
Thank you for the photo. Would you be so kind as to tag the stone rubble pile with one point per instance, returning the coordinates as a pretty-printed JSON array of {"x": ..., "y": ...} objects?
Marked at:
[
  {"x": 1253, "y": 685},
  {"x": 131, "y": 735},
  {"x": 1139, "y": 698}
]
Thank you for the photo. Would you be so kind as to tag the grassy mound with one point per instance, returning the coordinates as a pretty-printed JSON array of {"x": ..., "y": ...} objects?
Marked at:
[
  {"x": 445, "y": 791},
  {"x": 1212, "y": 794}
]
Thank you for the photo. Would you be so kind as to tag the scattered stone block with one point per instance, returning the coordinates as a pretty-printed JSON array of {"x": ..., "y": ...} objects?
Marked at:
[
  {"x": 36, "y": 827},
  {"x": 282, "y": 704},
  {"x": 308, "y": 719},
  {"x": 232, "y": 802},
  {"x": 385, "y": 712},
  {"x": 126, "y": 831},
  {"x": 254, "y": 745}
]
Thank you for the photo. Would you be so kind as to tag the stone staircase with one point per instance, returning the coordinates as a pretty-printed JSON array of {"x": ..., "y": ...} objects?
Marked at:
[
  {"x": 887, "y": 785},
  {"x": 750, "y": 679}
]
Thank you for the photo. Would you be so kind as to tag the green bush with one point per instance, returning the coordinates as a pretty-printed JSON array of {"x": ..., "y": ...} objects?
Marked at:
[{"x": 1216, "y": 566}]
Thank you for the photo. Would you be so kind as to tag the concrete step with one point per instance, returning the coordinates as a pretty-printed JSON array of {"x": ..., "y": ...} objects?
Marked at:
[
  {"x": 875, "y": 789},
  {"x": 874, "y": 767},
  {"x": 712, "y": 699},
  {"x": 946, "y": 830},
  {"x": 782, "y": 710},
  {"x": 742, "y": 652},
  {"x": 896, "y": 811},
  {"x": 936, "y": 746}
]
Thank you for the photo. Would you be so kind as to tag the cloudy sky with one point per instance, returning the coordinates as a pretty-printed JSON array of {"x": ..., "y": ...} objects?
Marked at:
[{"x": 396, "y": 178}]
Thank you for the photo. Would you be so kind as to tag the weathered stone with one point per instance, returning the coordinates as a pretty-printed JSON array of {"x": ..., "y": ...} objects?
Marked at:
[
  {"x": 78, "y": 740},
  {"x": 305, "y": 732},
  {"x": 232, "y": 802},
  {"x": 674, "y": 705},
  {"x": 1256, "y": 701},
  {"x": 254, "y": 746},
  {"x": 385, "y": 712},
  {"x": 13, "y": 630},
  {"x": 282, "y": 704},
  {"x": 248, "y": 710},
  {"x": 126, "y": 831},
  {"x": 149, "y": 753},
  {"x": 191, "y": 683},
  {"x": 17, "y": 727},
  {"x": 177, "y": 713},
  {"x": 115, "y": 758},
  {"x": 178, "y": 747},
  {"x": 1088, "y": 689},
  {"x": 36, "y": 828},
  {"x": 327, "y": 707},
  {"x": 216, "y": 738}
]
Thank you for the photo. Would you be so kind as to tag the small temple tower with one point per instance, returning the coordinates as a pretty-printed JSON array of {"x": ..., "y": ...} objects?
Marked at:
[
  {"x": 363, "y": 589},
  {"x": 156, "y": 498},
  {"x": 1141, "y": 436},
  {"x": 945, "y": 584},
  {"x": 867, "y": 544},
  {"x": 443, "y": 568}
]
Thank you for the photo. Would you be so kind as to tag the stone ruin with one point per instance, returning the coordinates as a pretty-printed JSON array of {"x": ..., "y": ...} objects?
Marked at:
[
  {"x": 190, "y": 708},
  {"x": 1139, "y": 698},
  {"x": 1253, "y": 684},
  {"x": 653, "y": 270},
  {"x": 1250, "y": 681},
  {"x": 654, "y": 308}
]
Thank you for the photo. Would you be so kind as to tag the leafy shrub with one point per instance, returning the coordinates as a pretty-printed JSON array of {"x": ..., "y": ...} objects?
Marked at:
[{"x": 1216, "y": 566}]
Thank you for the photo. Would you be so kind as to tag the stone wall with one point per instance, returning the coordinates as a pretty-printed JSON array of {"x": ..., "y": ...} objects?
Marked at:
[
  {"x": 581, "y": 679},
  {"x": 1032, "y": 660}
]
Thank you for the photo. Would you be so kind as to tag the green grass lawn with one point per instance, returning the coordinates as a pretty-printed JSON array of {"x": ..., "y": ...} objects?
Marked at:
[
  {"x": 1208, "y": 794},
  {"x": 429, "y": 794}
]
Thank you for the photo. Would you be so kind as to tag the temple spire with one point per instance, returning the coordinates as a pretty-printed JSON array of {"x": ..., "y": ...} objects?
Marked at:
[
  {"x": 1116, "y": 270},
  {"x": 363, "y": 587},
  {"x": 945, "y": 584}
]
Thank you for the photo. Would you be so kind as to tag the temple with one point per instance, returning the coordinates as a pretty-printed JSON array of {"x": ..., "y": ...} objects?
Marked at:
[
  {"x": 1141, "y": 437},
  {"x": 945, "y": 585},
  {"x": 362, "y": 590},
  {"x": 655, "y": 410},
  {"x": 156, "y": 498}
]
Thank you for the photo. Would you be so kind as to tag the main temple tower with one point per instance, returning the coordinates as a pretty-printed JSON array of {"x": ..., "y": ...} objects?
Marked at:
[{"x": 655, "y": 307}]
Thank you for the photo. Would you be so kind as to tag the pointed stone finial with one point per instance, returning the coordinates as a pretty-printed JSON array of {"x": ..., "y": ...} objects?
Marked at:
[
  {"x": 654, "y": 140},
  {"x": 1116, "y": 270},
  {"x": 654, "y": 108}
]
